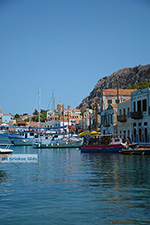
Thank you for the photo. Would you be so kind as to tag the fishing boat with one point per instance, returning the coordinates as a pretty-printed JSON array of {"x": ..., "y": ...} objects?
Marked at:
[
  {"x": 136, "y": 151},
  {"x": 59, "y": 141},
  {"x": 105, "y": 144}
]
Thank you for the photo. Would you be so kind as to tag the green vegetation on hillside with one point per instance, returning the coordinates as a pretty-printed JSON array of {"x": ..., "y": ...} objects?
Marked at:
[{"x": 140, "y": 85}]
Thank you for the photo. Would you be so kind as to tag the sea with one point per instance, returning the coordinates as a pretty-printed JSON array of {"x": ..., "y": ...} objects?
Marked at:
[{"x": 67, "y": 187}]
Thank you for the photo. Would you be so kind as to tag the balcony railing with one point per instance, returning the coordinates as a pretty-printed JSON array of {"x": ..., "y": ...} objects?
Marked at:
[
  {"x": 107, "y": 125},
  {"x": 122, "y": 118},
  {"x": 136, "y": 115}
]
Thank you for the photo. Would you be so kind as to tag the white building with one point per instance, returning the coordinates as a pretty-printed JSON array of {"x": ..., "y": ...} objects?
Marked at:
[
  {"x": 109, "y": 120},
  {"x": 124, "y": 119},
  {"x": 140, "y": 113},
  {"x": 109, "y": 96}
]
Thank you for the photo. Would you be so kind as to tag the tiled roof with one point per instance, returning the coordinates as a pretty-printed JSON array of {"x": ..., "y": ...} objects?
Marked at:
[
  {"x": 128, "y": 100},
  {"x": 121, "y": 91},
  {"x": 114, "y": 105},
  {"x": 76, "y": 110},
  {"x": 6, "y": 115}
]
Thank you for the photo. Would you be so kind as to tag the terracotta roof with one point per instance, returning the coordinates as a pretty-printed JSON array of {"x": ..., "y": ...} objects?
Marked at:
[
  {"x": 76, "y": 110},
  {"x": 128, "y": 100},
  {"x": 121, "y": 91},
  {"x": 114, "y": 105}
]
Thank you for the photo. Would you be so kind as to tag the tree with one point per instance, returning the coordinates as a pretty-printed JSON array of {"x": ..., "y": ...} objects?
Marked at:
[
  {"x": 35, "y": 112},
  {"x": 17, "y": 116}
]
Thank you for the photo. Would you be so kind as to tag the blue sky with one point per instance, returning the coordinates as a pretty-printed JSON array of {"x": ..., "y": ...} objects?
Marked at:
[{"x": 66, "y": 45}]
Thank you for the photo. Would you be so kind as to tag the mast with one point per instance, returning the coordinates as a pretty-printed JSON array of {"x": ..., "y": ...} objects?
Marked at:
[
  {"x": 63, "y": 114},
  {"x": 39, "y": 104},
  {"x": 53, "y": 106}
]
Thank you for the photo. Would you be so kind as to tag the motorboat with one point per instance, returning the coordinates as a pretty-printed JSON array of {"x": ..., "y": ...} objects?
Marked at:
[
  {"x": 5, "y": 152},
  {"x": 105, "y": 144}
]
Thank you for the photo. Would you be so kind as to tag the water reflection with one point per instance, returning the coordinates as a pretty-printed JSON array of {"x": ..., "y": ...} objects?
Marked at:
[
  {"x": 67, "y": 186},
  {"x": 3, "y": 176}
]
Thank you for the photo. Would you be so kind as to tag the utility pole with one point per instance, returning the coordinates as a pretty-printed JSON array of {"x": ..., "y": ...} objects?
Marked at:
[
  {"x": 96, "y": 115},
  {"x": 117, "y": 92}
]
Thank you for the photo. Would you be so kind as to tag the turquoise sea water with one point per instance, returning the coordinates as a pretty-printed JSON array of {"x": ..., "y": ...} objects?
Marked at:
[{"x": 67, "y": 187}]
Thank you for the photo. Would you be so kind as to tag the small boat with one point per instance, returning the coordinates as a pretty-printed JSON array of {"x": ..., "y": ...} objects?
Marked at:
[
  {"x": 57, "y": 141},
  {"x": 105, "y": 144},
  {"x": 4, "y": 153},
  {"x": 136, "y": 151}
]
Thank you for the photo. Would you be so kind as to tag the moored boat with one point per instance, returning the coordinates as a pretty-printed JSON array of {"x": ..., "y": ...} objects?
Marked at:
[
  {"x": 58, "y": 141},
  {"x": 4, "y": 138},
  {"x": 4, "y": 153},
  {"x": 135, "y": 151},
  {"x": 106, "y": 145}
]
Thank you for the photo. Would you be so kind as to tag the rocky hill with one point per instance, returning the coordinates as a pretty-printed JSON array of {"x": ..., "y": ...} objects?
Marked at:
[{"x": 124, "y": 77}]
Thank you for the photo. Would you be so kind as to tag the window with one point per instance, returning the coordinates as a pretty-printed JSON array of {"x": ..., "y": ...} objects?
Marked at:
[
  {"x": 139, "y": 106},
  {"x": 124, "y": 111},
  {"x": 134, "y": 107},
  {"x": 144, "y": 104},
  {"x": 111, "y": 118},
  {"x": 120, "y": 111},
  {"x": 128, "y": 110},
  {"x": 109, "y": 101}
]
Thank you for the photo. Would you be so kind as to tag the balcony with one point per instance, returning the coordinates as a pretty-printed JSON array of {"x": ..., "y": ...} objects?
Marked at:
[
  {"x": 136, "y": 115},
  {"x": 122, "y": 118},
  {"x": 107, "y": 125}
]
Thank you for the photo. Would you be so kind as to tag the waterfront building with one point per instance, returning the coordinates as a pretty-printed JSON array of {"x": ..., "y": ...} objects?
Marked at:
[
  {"x": 109, "y": 120},
  {"x": 6, "y": 118},
  {"x": 124, "y": 119},
  {"x": 110, "y": 96},
  {"x": 140, "y": 113}
]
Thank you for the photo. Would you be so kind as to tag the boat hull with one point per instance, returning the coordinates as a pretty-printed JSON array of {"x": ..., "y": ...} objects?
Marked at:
[
  {"x": 4, "y": 139},
  {"x": 21, "y": 141},
  {"x": 136, "y": 151},
  {"x": 101, "y": 148},
  {"x": 74, "y": 144}
]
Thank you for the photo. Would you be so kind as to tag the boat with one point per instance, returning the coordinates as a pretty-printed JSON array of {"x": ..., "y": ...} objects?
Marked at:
[
  {"x": 4, "y": 138},
  {"x": 59, "y": 141},
  {"x": 5, "y": 152},
  {"x": 136, "y": 151},
  {"x": 23, "y": 137},
  {"x": 105, "y": 144}
]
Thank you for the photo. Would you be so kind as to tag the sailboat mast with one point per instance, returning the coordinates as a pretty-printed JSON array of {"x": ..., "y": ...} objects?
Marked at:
[
  {"x": 53, "y": 107},
  {"x": 39, "y": 104}
]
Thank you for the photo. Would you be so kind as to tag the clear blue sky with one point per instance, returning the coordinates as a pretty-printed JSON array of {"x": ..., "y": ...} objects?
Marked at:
[{"x": 67, "y": 45}]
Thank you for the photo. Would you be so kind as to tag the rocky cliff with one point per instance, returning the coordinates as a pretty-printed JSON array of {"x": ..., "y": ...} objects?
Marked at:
[{"x": 124, "y": 77}]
